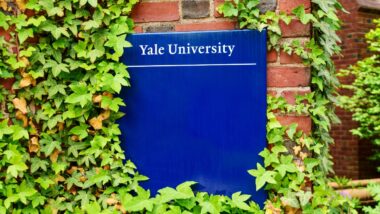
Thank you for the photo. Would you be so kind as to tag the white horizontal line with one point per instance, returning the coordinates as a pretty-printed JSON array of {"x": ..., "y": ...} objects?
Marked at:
[{"x": 192, "y": 65}]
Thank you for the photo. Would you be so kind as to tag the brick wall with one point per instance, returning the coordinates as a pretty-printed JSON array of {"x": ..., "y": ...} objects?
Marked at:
[
  {"x": 287, "y": 76},
  {"x": 351, "y": 154}
]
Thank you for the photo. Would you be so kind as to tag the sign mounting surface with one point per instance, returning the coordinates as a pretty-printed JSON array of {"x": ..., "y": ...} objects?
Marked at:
[{"x": 196, "y": 109}]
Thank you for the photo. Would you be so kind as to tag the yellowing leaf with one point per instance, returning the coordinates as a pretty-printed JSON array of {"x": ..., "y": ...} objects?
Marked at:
[
  {"x": 300, "y": 165},
  {"x": 83, "y": 179},
  {"x": 72, "y": 170},
  {"x": 25, "y": 61},
  {"x": 296, "y": 149},
  {"x": 96, "y": 122},
  {"x": 105, "y": 115},
  {"x": 21, "y": 116},
  {"x": 96, "y": 98},
  {"x": 59, "y": 178},
  {"x": 292, "y": 210},
  {"x": 271, "y": 209},
  {"x": 26, "y": 81},
  {"x": 61, "y": 126},
  {"x": 21, "y": 4},
  {"x": 20, "y": 104},
  {"x": 3, "y": 5},
  {"x": 74, "y": 138},
  {"x": 112, "y": 201},
  {"x": 73, "y": 190},
  {"x": 34, "y": 145},
  {"x": 54, "y": 156},
  {"x": 303, "y": 155},
  {"x": 108, "y": 94}
]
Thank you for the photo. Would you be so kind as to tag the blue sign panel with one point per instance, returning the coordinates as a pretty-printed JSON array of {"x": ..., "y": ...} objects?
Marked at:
[{"x": 196, "y": 109}]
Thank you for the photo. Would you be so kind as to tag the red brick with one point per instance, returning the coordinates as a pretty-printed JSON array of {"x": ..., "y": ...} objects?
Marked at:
[
  {"x": 289, "y": 5},
  {"x": 138, "y": 29},
  {"x": 156, "y": 12},
  {"x": 224, "y": 25},
  {"x": 295, "y": 29},
  {"x": 290, "y": 95},
  {"x": 304, "y": 122},
  {"x": 288, "y": 76},
  {"x": 289, "y": 59},
  {"x": 272, "y": 56}
]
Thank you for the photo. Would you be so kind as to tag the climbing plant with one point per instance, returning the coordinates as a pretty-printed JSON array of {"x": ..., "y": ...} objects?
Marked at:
[
  {"x": 59, "y": 144},
  {"x": 365, "y": 102},
  {"x": 296, "y": 164}
]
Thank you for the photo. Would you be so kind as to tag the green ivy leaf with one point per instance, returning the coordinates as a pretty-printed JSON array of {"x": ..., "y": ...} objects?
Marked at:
[
  {"x": 137, "y": 203},
  {"x": 80, "y": 96},
  {"x": 240, "y": 201},
  {"x": 48, "y": 147},
  {"x": 4, "y": 21},
  {"x": 38, "y": 164},
  {"x": 92, "y": 208},
  {"x": 286, "y": 165},
  {"x": 45, "y": 182},
  {"x": 292, "y": 130},
  {"x": 5, "y": 129},
  {"x": 228, "y": 9},
  {"x": 18, "y": 132},
  {"x": 90, "y": 24},
  {"x": 262, "y": 176},
  {"x": 112, "y": 103},
  {"x": 81, "y": 131},
  {"x": 38, "y": 200},
  {"x": 93, "y": 3},
  {"x": 24, "y": 34}
]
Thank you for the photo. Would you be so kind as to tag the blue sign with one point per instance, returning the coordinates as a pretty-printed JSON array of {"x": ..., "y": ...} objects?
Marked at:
[{"x": 196, "y": 109}]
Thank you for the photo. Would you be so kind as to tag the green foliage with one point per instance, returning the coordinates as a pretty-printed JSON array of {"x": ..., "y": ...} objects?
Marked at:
[
  {"x": 341, "y": 181},
  {"x": 59, "y": 144},
  {"x": 374, "y": 190},
  {"x": 365, "y": 101},
  {"x": 182, "y": 199},
  {"x": 295, "y": 161},
  {"x": 249, "y": 16}
]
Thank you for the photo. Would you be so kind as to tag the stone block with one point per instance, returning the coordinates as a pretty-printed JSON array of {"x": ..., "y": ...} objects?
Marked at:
[{"x": 195, "y": 9}]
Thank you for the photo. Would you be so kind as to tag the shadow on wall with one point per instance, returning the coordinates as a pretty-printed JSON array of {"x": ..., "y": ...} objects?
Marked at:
[{"x": 367, "y": 167}]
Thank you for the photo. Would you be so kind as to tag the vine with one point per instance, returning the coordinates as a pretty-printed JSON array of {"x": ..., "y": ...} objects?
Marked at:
[
  {"x": 59, "y": 144},
  {"x": 297, "y": 176}
]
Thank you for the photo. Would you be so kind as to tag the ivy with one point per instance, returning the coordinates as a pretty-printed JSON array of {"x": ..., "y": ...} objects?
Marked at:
[
  {"x": 374, "y": 190},
  {"x": 59, "y": 141},
  {"x": 59, "y": 144},
  {"x": 297, "y": 164}
]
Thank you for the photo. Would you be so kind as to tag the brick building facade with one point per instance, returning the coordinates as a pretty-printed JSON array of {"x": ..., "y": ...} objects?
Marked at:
[{"x": 351, "y": 155}]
